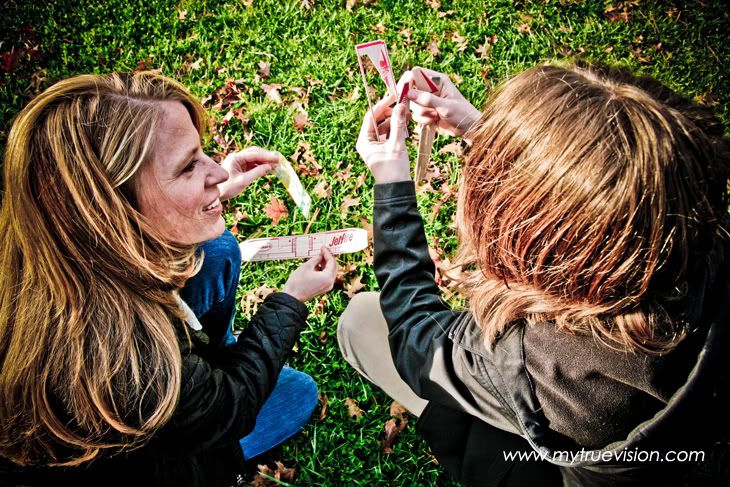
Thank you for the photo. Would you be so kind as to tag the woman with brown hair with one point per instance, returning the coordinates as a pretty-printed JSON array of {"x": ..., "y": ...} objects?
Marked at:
[
  {"x": 117, "y": 293},
  {"x": 592, "y": 220}
]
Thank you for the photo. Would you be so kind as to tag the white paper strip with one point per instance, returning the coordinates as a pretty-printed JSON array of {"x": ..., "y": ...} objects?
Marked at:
[
  {"x": 288, "y": 176},
  {"x": 343, "y": 241}
]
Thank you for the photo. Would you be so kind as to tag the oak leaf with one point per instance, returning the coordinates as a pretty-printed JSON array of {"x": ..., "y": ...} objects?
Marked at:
[
  {"x": 352, "y": 287},
  {"x": 348, "y": 202},
  {"x": 353, "y": 410}
]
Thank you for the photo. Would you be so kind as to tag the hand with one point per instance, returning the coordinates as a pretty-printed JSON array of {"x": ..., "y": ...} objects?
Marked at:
[
  {"x": 447, "y": 109},
  {"x": 387, "y": 160},
  {"x": 245, "y": 166},
  {"x": 316, "y": 276}
]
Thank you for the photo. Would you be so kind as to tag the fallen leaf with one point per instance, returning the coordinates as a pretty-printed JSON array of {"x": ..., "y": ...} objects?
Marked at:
[
  {"x": 251, "y": 299},
  {"x": 343, "y": 174},
  {"x": 301, "y": 121},
  {"x": 368, "y": 227},
  {"x": 379, "y": 28},
  {"x": 343, "y": 270},
  {"x": 323, "y": 337},
  {"x": 307, "y": 4},
  {"x": 433, "y": 48},
  {"x": 348, "y": 202},
  {"x": 264, "y": 69},
  {"x": 446, "y": 14},
  {"x": 275, "y": 210},
  {"x": 323, "y": 401},
  {"x": 352, "y": 287},
  {"x": 181, "y": 14},
  {"x": 304, "y": 160},
  {"x": 281, "y": 473},
  {"x": 323, "y": 190},
  {"x": 272, "y": 91},
  {"x": 461, "y": 41},
  {"x": 361, "y": 179},
  {"x": 393, "y": 429},
  {"x": 524, "y": 29},
  {"x": 353, "y": 410},
  {"x": 408, "y": 36},
  {"x": 452, "y": 148},
  {"x": 434, "y": 4},
  {"x": 398, "y": 410}
]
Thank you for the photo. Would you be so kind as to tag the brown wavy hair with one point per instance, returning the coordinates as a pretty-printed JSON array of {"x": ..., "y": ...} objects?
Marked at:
[
  {"x": 89, "y": 354},
  {"x": 587, "y": 195}
]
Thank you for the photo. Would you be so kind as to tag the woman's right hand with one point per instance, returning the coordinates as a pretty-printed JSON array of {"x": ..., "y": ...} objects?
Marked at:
[
  {"x": 316, "y": 276},
  {"x": 448, "y": 109}
]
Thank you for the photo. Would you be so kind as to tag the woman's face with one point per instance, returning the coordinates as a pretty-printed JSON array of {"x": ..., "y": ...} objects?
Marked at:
[{"x": 177, "y": 191}]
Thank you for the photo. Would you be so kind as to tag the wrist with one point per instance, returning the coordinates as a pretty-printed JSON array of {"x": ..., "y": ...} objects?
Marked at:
[{"x": 392, "y": 176}]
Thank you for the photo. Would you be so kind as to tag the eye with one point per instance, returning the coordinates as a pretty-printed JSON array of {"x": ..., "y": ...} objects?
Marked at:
[{"x": 191, "y": 166}]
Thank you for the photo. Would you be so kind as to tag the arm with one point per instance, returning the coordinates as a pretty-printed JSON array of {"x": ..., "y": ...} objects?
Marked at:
[{"x": 219, "y": 402}]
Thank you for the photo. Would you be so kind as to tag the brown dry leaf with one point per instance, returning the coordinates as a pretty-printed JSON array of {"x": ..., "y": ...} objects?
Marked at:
[
  {"x": 319, "y": 306},
  {"x": 323, "y": 337},
  {"x": 434, "y": 4},
  {"x": 393, "y": 429},
  {"x": 323, "y": 190},
  {"x": 461, "y": 41},
  {"x": 446, "y": 14},
  {"x": 275, "y": 210},
  {"x": 368, "y": 228},
  {"x": 281, "y": 473},
  {"x": 433, "y": 48},
  {"x": 379, "y": 28},
  {"x": 272, "y": 91},
  {"x": 706, "y": 98},
  {"x": 617, "y": 14},
  {"x": 457, "y": 79},
  {"x": 452, "y": 148},
  {"x": 407, "y": 36},
  {"x": 343, "y": 174},
  {"x": 353, "y": 410},
  {"x": 348, "y": 202},
  {"x": 352, "y": 287},
  {"x": 181, "y": 14},
  {"x": 301, "y": 121},
  {"x": 247, "y": 3},
  {"x": 398, "y": 410},
  {"x": 304, "y": 160},
  {"x": 524, "y": 29},
  {"x": 238, "y": 216},
  {"x": 307, "y": 4},
  {"x": 251, "y": 299},
  {"x": 323, "y": 400},
  {"x": 264, "y": 69},
  {"x": 343, "y": 270},
  {"x": 361, "y": 179},
  {"x": 351, "y": 4}
]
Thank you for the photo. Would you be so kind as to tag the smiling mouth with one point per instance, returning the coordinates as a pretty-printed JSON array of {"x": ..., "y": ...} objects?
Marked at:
[{"x": 213, "y": 205}]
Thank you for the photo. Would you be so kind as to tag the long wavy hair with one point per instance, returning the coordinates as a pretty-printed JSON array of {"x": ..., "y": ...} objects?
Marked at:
[
  {"x": 89, "y": 353},
  {"x": 587, "y": 196}
]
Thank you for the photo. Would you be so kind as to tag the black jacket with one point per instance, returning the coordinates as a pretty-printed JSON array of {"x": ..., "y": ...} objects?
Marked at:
[
  {"x": 584, "y": 407},
  {"x": 222, "y": 391}
]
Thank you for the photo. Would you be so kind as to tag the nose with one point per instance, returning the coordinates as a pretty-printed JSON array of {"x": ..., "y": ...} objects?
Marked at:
[{"x": 216, "y": 174}]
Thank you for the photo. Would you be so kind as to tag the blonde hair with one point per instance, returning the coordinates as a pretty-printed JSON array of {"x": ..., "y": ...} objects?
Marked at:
[
  {"x": 89, "y": 353},
  {"x": 587, "y": 196}
]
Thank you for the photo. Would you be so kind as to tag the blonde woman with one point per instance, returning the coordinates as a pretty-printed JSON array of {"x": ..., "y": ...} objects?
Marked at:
[
  {"x": 117, "y": 292},
  {"x": 592, "y": 219}
]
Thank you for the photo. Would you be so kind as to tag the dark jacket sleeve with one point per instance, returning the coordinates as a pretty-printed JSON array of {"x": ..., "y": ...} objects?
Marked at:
[
  {"x": 222, "y": 394},
  {"x": 421, "y": 325}
]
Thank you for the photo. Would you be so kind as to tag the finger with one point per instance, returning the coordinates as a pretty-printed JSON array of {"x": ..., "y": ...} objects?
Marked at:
[
  {"x": 406, "y": 77},
  {"x": 254, "y": 156},
  {"x": 430, "y": 119},
  {"x": 384, "y": 128},
  {"x": 425, "y": 99},
  {"x": 330, "y": 263},
  {"x": 252, "y": 174},
  {"x": 398, "y": 123}
]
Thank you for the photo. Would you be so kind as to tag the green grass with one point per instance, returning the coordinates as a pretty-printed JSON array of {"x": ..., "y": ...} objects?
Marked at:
[{"x": 682, "y": 44}]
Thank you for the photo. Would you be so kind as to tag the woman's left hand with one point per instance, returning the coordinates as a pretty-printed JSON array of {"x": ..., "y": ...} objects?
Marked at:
[
  {"x": 387, "y": 160},
  {"x": 245, "y": 166}
]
